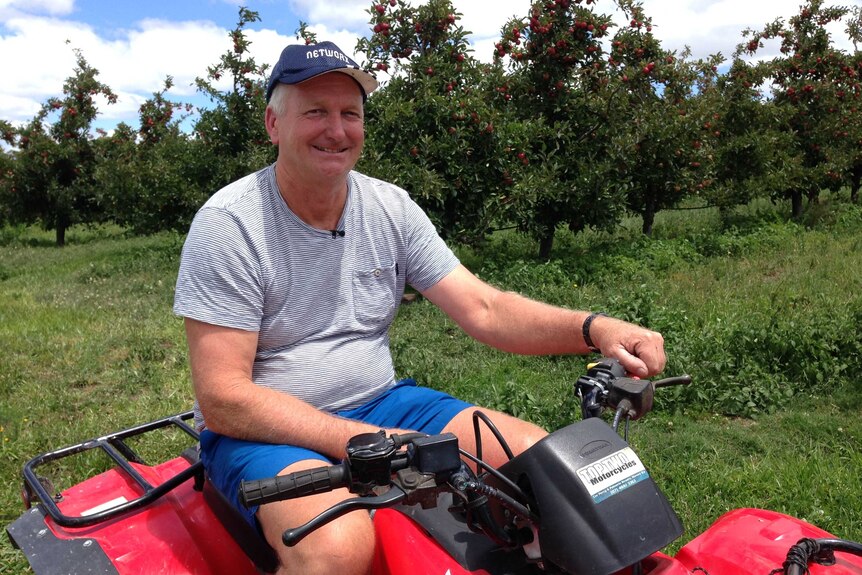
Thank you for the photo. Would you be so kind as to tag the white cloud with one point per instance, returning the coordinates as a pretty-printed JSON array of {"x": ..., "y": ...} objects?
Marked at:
[
  {"x": 133, "y": 64},
  {"x": 157, "y": 48},
  {"x": 49, "y": 7},
  {"x": 349, "y": 14},
  {"x": 711, "y": 27},
  {"x": 48, "y": 62},
  {"x": 17, "y": 109},
  {"x": 344, "y": 39},
  {"x": 485, "y": 19}
]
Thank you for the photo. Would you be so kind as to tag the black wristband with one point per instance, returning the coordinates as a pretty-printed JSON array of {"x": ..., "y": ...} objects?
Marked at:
[{"x": 586, "y": 331}]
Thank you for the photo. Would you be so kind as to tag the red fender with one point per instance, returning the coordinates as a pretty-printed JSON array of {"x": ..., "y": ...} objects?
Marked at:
[
  {"x": 178, "y": 534},
  {"x": 756, "y": 541}
]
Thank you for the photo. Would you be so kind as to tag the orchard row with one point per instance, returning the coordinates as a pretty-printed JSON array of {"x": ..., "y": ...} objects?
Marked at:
[{"x": 578, "y": 122}]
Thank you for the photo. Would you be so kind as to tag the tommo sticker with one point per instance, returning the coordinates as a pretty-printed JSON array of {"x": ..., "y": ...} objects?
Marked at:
[{"x": 612, "y": 474}]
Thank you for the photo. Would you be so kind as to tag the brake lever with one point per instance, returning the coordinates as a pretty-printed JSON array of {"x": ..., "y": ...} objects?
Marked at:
[{"x": 394, "y": 495}]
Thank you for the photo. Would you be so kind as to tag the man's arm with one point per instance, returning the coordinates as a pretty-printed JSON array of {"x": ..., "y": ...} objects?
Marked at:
[
  {"x": 221, "y": 360},
  {"x": 510, "y": 322}
]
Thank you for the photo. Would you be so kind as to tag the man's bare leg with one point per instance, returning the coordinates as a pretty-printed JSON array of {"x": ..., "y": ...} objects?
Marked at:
[
  {"x": 344, "y": 546},
  {"x": 519, "y": 434}
]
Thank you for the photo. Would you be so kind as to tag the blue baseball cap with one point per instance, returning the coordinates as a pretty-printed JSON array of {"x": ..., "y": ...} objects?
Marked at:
[{"x": 299, "y": 63}]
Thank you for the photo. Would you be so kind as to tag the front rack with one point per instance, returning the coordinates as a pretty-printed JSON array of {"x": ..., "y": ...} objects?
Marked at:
[{"x": 115, "y": 446}]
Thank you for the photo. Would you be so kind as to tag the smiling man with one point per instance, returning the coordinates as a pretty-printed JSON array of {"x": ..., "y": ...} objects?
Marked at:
[{"x": 289, "y": 281}]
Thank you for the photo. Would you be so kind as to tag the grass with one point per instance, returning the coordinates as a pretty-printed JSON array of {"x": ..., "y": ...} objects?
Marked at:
[
  {"x": 88, "y": 346},
  {"x": 764, "y": 314}
]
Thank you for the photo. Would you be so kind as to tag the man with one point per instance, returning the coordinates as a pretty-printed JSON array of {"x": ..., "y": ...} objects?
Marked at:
[{"x": 290, "y": 278}]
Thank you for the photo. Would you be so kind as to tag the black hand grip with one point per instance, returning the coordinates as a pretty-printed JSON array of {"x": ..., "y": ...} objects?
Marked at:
[
  {"x": 678, "y": 380},
  {"x": 292, "y": 485}
]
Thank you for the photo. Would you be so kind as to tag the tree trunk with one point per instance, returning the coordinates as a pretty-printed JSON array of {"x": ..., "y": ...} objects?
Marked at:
[
  {"x": 62, "y": 223},
  {"x": 648, "y": 217},
  {"x": 795, "y": 204},
  {"x": 855, "y": 181},
  {"x": 546, "y": 243}
]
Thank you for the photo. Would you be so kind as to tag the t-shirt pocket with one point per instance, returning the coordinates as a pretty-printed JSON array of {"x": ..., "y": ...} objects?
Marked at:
[{"x": 374, "y": 294}]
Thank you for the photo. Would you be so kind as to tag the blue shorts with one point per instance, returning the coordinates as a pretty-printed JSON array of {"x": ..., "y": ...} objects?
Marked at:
[{"x": 229, "y": 461}]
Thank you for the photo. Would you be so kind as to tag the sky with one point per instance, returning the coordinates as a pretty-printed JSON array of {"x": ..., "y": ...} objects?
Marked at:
[{"x": 135, "y": 44}]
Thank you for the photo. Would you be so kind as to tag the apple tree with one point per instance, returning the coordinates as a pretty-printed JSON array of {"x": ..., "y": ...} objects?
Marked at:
[
  {"x": 817, "y": 87},
  {"x": 851, "y": 105},
  {"x": 53, "y": 179},
  {"x": 433, "y": 129},
  {"x": 663, "y": 123},
  {"x": 231, "y": 136},
  {"x": 752, "y": 156},
  {"x": 146, "y": 183},
  {"x": 7, "y": 168},
  {"x": 558, "y": 96}
]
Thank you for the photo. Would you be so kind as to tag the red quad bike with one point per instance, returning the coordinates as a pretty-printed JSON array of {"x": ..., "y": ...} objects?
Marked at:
[{"x": 578, "y": 502}]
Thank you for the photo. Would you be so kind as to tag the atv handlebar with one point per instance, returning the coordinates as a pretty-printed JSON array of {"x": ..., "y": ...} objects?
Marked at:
[
  {"x": 606, "y": 386},
  {"x": 293, "y": 485},
  {"x": 415, "y": 474},
  {"x": 416, "y": 468}
]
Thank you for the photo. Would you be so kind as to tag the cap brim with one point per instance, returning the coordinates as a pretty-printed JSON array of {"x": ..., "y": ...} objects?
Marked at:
[{"x": 367, "y": 81}]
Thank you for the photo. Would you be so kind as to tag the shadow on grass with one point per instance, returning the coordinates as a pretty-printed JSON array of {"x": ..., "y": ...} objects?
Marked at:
[{"x": 36, "y": 237}]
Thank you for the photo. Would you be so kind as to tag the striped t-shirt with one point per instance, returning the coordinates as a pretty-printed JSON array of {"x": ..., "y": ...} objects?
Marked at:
[{"x": 321, "y": 302}]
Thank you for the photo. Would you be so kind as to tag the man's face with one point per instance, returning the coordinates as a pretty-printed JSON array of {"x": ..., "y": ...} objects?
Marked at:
[{"x": 321, "y": 132}]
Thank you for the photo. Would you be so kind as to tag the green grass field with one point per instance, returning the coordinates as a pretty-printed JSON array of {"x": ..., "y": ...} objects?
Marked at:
[{"x": 763, "y": 314}]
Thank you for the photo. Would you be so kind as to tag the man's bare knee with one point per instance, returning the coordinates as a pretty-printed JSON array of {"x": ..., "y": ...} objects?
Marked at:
[{"x": 344, "y": 546}]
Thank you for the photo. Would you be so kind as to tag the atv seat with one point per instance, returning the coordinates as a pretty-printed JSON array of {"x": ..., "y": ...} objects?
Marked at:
[{"x": 246, "y": 536}]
